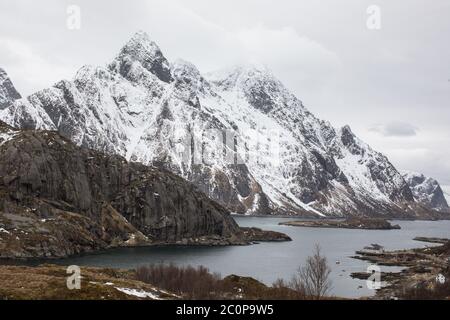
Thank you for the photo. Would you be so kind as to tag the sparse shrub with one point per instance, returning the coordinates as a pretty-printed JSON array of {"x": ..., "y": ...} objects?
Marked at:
[
  {"x": 288, "y": 290},
  {"x": 313, "y": 279},
  {"x": 311, "y": 282},
  {"x": 187, "y": 281}
]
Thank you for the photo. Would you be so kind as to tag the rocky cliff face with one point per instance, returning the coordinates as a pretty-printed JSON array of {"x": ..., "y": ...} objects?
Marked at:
[
  {"x": 57, "y": 199},
  {"x": 8, "y": 92},
  {"x": 239, "y": 135},
  {"x": 426, "y": 191}
]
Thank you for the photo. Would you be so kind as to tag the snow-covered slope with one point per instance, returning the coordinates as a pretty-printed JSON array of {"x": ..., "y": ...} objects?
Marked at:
[
  {"x": 277, "y": 157},
  {"x": 7, "y": 91},
  {"x": 6, "y": 133},
  {"x": 426, "y": 190}
]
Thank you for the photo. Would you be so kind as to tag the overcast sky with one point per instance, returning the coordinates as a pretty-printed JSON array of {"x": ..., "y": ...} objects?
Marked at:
[{"x": 391, "y": 85}]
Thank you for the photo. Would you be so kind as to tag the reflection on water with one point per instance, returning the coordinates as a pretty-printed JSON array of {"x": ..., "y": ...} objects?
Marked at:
[{"x": 269, "y": 261}]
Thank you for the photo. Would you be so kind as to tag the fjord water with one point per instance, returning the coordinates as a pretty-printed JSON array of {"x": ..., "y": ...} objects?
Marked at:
[{"x": 269, "y": 261}]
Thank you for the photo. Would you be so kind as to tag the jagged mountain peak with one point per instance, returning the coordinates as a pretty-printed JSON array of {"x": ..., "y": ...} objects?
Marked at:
[
  {"x": 86, "y": 70},
  {"x": 188, "y": 80},
  {"x": 185, "y": 69},
  {"x": 237, "y": 74},
  {"x": 140, "y": 44},
  {"x": 89, "y": 73},
  {"x": 141, "y": 49},
  {"x": 354, "y": 144},
  {"x": 413, "y": 174},
  {"x": 348, "y": 137},
  {"x": 3, "y": 74},
  {"x": 141, "y": 36},
  {"x": 258, "y": 85},
  {"x": 426, "y": 190},
  {"x": 346, "y": 129},
  {"x": 8, "y": 92},
  {"x": 253, "y": 70}
]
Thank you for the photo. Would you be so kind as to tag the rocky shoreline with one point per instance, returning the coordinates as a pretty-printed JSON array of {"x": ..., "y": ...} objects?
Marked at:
[
  {"x": 39, "y": 251},
  {"x": 351, "y": 223},
  {"x": 432, "y": 240},
  {"x": 422, "y": 266}
]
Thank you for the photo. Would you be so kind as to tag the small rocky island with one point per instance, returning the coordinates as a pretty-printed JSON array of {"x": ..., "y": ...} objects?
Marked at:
[
  {"x": 256, "y": 234},
  {"x": 350, "y": 223},
  {"x": 425, "y": 274}
]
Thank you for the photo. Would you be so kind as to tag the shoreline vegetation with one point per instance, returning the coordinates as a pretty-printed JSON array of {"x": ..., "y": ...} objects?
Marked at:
[
  {"x": 418, "y": 279},
  {"x": 160, "y": 282},
  {"x": 425, "y": 275},
  {"x": 350, "y": 223},
  {"x": 48, "y": 282}
]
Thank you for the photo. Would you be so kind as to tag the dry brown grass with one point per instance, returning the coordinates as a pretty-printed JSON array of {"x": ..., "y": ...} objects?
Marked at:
[
  {"x": 198, "y": 283},
  {"x": 428, "y": 290},
  {"x": 48, "y": 282}
]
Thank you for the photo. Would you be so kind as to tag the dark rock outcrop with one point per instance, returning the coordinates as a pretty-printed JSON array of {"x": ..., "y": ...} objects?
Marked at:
[
  {"x": 58, "y": 199},
  {"x": 256, "y": 234}
]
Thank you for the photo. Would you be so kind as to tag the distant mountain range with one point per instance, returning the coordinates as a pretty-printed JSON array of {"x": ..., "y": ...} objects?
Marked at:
[
  {"x": 426, "y": 190},
  {"x": 143, "y": 107}
]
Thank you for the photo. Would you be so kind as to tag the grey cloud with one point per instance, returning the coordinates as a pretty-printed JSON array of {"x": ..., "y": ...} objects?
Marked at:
[{"x": 396, "y": 129}]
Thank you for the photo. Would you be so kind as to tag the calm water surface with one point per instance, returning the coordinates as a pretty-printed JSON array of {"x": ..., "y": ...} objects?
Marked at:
[{"x": 269, "y": 261}]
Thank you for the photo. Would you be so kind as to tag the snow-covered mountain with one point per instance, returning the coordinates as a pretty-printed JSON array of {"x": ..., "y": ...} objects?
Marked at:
[
  {"x": 7, "y": 91},
  {"x": 277, "y": 156},
  {"x": 426, "y": 190}
]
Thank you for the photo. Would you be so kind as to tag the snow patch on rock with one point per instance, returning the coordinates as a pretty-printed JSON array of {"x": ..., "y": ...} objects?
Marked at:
[{"x": 139, "y": 293}]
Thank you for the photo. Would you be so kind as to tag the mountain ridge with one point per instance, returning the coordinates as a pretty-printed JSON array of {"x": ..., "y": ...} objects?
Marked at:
[
  {"x": 143, "y": 107},
  {"x": 8, "y": 92},
  {"x": 426, "y": 190}
]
